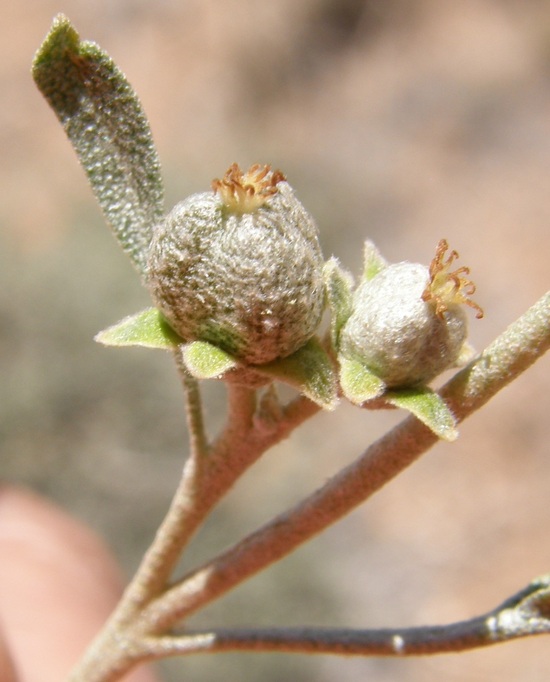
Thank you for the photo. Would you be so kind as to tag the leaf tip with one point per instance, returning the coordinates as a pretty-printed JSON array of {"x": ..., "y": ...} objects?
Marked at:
[
  {"x": 62, "y": 36},
  {"x": 147, "y": 328},
  {"x": 206, "y": 361},
  {"x": 428, "y": 407}
]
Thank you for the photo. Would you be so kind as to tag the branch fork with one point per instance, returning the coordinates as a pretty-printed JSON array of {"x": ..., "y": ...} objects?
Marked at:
[{"x": 142, "y": 628}]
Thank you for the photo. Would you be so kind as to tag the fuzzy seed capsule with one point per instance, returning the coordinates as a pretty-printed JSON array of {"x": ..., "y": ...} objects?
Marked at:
[
  {"x": 240, "y": 267},
  {"x": 407, "y": 323}
]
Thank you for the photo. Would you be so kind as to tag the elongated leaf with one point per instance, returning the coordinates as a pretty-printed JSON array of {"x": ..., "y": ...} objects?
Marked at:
[
  {"x": 358, "y": 382},
  {"x": 310, "y": 371},
  {"x": 108, "y": 129},
  {"x": 427, "y": 406},
  {"x": 206, "y": 361},
  {"x": 147, "y": 328}
]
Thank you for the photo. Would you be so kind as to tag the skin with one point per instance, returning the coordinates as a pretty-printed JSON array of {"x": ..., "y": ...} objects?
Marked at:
[{"x": 58, "y": 584}]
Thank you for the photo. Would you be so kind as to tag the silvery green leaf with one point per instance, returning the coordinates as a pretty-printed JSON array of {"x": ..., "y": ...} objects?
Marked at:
[
  {"x": 108, "y": 129},
  {"x": 206, "y": 361},
  {"x": 310, "y": 371},
  {"x": 358, "y": 383},
  {"x": 147, "y": 328},
  {"x": 428, "y": 407}
]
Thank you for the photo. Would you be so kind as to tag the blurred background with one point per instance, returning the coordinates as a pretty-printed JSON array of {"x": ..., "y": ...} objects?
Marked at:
[{"x": 399, "y": 121}]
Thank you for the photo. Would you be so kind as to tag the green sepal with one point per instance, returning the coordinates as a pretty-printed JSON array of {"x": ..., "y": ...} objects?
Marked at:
[
  {"x": 338, "y": 285},
  {"x": 206, "y": 361},
  {"x": 309, "y": 370},
  {"x": 147, "y": 328},
  {"x": 109, "y": 131},
  {"x": 428, "y": 407},
  {"x": 374, "y": 262},
  {"x": 358, "y": 383}
]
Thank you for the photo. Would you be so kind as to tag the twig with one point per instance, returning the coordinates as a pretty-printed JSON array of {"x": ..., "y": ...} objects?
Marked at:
[
  {"x": 198, "y": 442},
  {"x": 127, "y": 638},
  {"x": 509, "y": 355},
  {"x": 208, "y": 474},
  {"x": 526, "y": 613}
]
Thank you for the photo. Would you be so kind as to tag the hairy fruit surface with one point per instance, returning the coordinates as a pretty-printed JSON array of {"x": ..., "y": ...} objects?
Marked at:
[{"x": 240, "y": 267}]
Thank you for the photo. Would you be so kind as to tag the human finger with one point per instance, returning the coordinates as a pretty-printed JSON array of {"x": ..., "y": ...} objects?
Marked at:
[{"x": 58, "y": 584}]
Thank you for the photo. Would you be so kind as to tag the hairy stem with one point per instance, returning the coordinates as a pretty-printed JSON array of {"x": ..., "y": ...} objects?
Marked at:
[
  {"x": 150, "y": 607},
  {"x": 509, "y": 355},
  {"x": 198, "y": 443},
  {"x": 208, "y": 474}
]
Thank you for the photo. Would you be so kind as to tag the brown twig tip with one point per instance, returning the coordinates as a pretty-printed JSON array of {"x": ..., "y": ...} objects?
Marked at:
[
  {"x": 448, "y": 287},
  {"x": 245, "y": 192}
]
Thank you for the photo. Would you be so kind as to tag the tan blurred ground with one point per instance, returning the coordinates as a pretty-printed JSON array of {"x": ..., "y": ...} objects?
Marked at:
[{"x": 400, "y": 121}]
